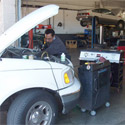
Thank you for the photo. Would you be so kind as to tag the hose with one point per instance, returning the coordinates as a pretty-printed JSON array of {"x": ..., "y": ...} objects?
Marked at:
[{"x": 45, "y": 52}]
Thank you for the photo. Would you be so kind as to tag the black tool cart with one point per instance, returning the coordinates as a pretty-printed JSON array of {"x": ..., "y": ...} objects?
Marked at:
[
  {"x": 95, "y": 80},
  {"x": 115, "y": 57}
]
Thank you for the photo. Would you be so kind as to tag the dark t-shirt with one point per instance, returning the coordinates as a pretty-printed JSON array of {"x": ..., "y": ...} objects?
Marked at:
[{"x": 57, "y": 47}]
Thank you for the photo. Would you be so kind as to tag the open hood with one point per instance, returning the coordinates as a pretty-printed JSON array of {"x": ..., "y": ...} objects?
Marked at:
[{"x": 25, "y": 24}]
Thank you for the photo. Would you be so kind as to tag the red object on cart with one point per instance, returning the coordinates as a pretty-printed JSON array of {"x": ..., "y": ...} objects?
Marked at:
[{"x": 121, "y": 46}]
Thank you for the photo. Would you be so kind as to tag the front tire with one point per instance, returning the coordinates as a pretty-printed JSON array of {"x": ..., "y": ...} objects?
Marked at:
[{"x": 33, "y": 108}]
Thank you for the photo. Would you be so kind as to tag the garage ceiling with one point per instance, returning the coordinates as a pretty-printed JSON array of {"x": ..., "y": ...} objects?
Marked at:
[{"x": 78, "y": 4}]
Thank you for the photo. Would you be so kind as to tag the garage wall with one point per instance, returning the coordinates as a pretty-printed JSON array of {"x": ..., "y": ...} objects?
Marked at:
[
  {"x": 7, "y": 14},
  {"x": 66, "y": 17}
]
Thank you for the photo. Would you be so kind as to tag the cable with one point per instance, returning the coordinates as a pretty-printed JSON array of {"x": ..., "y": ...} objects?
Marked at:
[{"x": 53, "y": 74}]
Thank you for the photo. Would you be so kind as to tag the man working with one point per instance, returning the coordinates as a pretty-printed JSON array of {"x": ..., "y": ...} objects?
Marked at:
[{"x": 54, "y": 45}]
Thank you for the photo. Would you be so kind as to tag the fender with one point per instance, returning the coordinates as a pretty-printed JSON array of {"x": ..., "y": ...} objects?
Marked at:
[{"x": 21, "y": 74}]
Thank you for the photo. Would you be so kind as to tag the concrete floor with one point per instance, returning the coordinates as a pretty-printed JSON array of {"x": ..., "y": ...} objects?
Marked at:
[{"x": 114, "y": 115}]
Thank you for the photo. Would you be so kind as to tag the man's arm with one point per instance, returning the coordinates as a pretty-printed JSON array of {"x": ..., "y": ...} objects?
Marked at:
[{"x": 52, "y": 49}]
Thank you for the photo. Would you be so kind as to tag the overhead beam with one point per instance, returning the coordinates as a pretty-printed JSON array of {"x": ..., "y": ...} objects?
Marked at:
[
  {"x": 38, "y": 6},
  {"x": 114, "y": 3},
  {"x": 68, "y": 6},
  {"x": 79, "y": 4}
]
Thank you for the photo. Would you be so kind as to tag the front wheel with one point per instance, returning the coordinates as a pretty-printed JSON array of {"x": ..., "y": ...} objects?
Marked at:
[{"x": 33, "y": 108}]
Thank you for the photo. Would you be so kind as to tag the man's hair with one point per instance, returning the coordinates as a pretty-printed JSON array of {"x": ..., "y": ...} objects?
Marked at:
[{"x": 50, "y": 31}]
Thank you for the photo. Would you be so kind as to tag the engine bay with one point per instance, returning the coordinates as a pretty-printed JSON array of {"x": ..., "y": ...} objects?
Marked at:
[
  {"x": 16, "y": 52},
  {"x": 20, "y": 53}
]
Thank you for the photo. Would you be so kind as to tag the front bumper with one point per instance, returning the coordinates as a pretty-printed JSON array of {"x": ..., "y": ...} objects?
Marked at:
[{"x": 71, "y": 97}]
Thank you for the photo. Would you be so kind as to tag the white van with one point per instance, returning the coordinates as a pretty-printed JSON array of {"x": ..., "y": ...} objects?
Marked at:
[{"x": 38, "y": 88}]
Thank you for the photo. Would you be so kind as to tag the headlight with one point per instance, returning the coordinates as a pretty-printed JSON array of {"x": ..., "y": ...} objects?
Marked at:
[{"x": 68, "y": 76}]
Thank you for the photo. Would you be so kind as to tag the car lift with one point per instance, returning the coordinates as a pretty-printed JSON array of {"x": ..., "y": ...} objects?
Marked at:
[
  {"x": 93, "y": 32},
  {"x": 101, "y": 36},
  {"x": 114, "y": 56}
]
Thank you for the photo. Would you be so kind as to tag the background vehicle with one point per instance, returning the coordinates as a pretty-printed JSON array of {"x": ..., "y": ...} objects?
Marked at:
[
  {"x": 35, "y": 88},
  {"x": 103, "y": 16}
]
